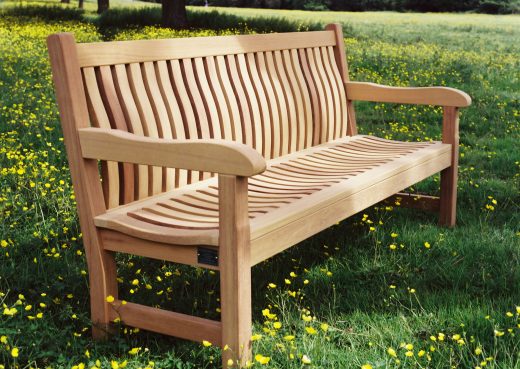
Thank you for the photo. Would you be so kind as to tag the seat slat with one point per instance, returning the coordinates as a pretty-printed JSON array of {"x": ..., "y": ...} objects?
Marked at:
[{"x": 279, "y": 196}]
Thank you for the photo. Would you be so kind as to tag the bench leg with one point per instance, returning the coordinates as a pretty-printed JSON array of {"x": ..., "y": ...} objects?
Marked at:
[
  {"x": 235, "y": 270},
  {"x": 448, "y": 205},
  {"x": 103, "y": 283},
  {"x": 448, "y": 198}
]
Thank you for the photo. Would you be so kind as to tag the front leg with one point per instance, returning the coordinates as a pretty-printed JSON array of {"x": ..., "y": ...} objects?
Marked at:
[
  {"x": 235, "y": 269},
  {"x": 448, "y": 198}
]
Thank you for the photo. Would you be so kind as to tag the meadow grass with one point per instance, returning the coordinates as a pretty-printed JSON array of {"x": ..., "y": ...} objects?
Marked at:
[{"x": 386, "y": 288}]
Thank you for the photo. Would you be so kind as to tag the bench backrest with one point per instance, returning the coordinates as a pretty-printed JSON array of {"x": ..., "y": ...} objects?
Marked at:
[{"x": 278, "y": 93}]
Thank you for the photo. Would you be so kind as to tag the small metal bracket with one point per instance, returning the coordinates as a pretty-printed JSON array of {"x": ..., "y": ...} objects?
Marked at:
[{"x": 207, "y": 256}]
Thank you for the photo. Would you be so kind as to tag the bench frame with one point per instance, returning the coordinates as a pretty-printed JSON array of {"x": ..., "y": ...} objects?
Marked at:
[{"x": 84, "y": 147}]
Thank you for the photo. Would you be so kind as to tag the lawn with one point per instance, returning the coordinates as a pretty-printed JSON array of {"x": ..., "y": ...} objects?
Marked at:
[{"x": 386, "y": 288}]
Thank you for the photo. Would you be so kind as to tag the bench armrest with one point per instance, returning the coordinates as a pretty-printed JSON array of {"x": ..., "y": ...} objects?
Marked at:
[
  {"x": 208, "y": 155},
  {"x": 440, "y": 96}
]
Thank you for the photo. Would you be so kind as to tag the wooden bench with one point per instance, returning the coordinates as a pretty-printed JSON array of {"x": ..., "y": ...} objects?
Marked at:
[{"x": 220, "y": 152}]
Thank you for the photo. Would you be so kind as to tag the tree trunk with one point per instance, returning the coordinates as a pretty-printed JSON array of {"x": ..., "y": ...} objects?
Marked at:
[
  {"x": 80, "y": 4},
  {"x": 174, "y": 14},
  {"x": 102, "y": 6},
  {"x": 65, "y": 1}
]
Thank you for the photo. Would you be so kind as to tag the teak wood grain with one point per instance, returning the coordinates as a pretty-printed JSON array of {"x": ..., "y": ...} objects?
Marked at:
[{"x": 221, "y": 152}]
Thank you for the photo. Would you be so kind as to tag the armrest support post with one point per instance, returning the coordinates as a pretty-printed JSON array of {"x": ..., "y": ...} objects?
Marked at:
[
  {"x": 235, "y": 268},
  {"x": 448, "y": 197}
]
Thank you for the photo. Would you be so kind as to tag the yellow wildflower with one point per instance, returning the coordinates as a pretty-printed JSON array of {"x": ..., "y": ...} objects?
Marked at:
[
  {"x": 262, "y": 359},
  {"x": 310, "y": 330},
  {"x": 391, "y": 352},
  {"x": 134, "y": 351}
]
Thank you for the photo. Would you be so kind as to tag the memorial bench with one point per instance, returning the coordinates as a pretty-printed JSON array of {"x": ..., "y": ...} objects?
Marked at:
[{"x": 220, "y": 152}]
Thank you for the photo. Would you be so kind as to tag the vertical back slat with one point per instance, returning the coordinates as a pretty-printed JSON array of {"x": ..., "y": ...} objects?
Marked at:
[
  {"x": 208, "y": 98},
  {"x": 190, "y": 127},
  {"x": 298, "y": 115},
  {"x": 317, "y": 105},
  {"x": 253, "y": 129},
  {"x": 333, "y": 89},
  {"x": 283, "y": 132},
  {"x": 265, "y": 119},
  {"x": 243, "y": 104},
  {"x": 202, "y": 122},
  {"x": 273, "y": 106},
  {"x": 306, "y": 126},
  {"x": 232, "y": 128},
  {"x": 161, "y": 117},
  {"x": 221, "y": 105},
  {"x": 289, "y": 100},
  {"x": 341, "y": 62},
  {"x": 117, "y": 119},
  {"x": 342, "y": 99},
  {"x": 277, "y": 101},
  {"x": 327, "y": 127},
  {"x": 99, "y": 118},
  {"x": 148, "y": 121},
  {"x": 175, "y": 116},
  {"x": 133, "y": 122}
]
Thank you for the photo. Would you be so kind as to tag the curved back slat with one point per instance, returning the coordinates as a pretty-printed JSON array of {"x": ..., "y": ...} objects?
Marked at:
[{"x": 277, "y": 98}]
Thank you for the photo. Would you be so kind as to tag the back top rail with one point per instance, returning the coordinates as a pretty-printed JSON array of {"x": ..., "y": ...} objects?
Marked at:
[{"x": 140, "y": 51}]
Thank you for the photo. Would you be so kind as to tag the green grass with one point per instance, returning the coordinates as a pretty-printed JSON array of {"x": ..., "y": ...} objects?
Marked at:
[{"x": 371, "y": 297}]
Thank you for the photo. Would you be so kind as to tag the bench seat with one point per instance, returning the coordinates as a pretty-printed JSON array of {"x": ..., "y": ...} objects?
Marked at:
[{"x": 366, "y": 169}]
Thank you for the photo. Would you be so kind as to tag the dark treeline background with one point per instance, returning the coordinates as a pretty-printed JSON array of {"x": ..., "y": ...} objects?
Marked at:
[{"x": 483, "y": 6}]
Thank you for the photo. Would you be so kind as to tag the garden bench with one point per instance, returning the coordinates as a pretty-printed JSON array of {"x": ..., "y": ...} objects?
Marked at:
[{"x": 220, "y": 152}]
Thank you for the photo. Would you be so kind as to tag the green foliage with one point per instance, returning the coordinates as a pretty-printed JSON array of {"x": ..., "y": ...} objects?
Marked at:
[
  {"x": 387, "y": 278},
  {"x": 123, "y": 17},
  {"x": 485, "y": 6},
  {"x": 47, "y": 12}
]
